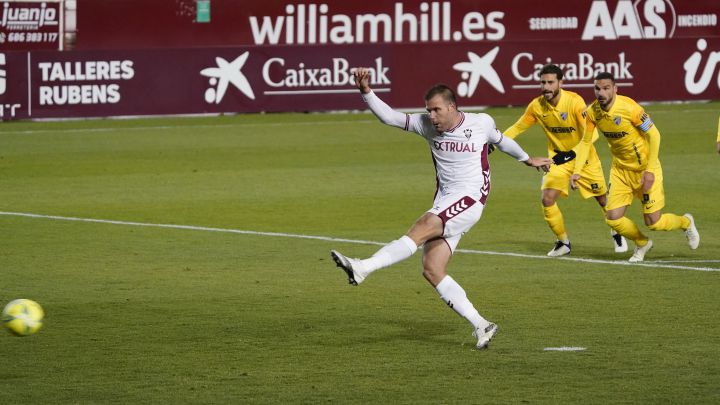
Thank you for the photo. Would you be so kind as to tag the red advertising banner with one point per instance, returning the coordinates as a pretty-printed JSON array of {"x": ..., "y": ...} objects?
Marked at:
[
  {"x": 45, "y": 84},
  {"x": 31, "y": 24},
  {"x": 113, "y": 24}
]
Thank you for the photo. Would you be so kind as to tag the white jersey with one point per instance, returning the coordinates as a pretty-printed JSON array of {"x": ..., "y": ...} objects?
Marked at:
[{"x": 460, "y": 154}]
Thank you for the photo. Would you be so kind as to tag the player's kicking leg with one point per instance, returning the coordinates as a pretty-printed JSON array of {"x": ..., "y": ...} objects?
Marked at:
[
  {"x": 351, "y": 267},
  {"x": 357, "y": 270}
]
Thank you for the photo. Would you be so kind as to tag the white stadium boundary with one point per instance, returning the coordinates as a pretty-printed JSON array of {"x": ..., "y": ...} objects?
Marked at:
[{"x": 658, "y": 264}]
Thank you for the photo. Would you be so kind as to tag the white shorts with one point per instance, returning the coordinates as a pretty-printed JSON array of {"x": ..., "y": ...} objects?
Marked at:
[{"x": 459, "y": 212}]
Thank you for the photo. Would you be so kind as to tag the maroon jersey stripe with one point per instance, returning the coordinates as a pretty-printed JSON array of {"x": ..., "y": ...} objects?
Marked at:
[
  {"x": 485, "y": 191},
  {"x": 456, "y": 209}
]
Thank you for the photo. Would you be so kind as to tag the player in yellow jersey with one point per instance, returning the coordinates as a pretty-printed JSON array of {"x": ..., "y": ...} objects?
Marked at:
[
  {"x": 635, "y": 172},
  {"x": 561, "y": 114}
]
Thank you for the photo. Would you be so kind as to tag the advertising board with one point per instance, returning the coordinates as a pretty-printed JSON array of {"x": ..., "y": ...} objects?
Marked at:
[{"x": 45, "y": 84}]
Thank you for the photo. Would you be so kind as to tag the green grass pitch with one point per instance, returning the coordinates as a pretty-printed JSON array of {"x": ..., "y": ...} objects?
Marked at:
[{"x": 147, "y": 314}]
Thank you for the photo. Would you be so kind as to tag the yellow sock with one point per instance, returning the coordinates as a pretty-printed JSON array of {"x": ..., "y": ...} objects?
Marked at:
[
  {"x": 670, "y": 222},
  {"x": 555, "y": 221},
  {"x": 627, "y": 228}
]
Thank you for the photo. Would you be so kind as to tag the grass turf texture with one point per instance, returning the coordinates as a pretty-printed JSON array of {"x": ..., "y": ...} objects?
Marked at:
[{"x": 149, "y": 315}]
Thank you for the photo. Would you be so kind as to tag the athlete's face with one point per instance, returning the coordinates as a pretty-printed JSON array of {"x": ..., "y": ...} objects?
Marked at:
[
  {"x": 443, "y": 113},
  {"x": 550, "y": 86},
  {"x": 605, "y": 91}
]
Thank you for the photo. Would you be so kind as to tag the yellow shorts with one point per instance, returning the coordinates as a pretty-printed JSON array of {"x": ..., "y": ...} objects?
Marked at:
[
  {"x": 591, "y": 183},
  {"x": 625, "y": 184}
]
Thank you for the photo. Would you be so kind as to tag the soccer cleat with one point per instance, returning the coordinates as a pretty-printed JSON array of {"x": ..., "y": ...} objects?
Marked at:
[
  {"x": 640, "y": 251},
  {"x": 691, "y": 233},
  {"x": 561, "y": 249},
  {"x": 619, "y": 242},
  {"x": 350, "y": 266},
  {"x": 484, "y": 336}
]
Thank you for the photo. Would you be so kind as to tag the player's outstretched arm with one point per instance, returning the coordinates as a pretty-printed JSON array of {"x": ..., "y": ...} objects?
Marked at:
[
  {"x": 509, "y": 146},
  {"x": 718, "y": 147},
  {"x": 382, "y": 111}
]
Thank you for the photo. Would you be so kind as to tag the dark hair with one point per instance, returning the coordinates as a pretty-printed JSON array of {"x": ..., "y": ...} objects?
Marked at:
[
  {"x": 444, "y": 91},
  {"x": 552, "y": 69},
  {"x": 605, "y": 75}
]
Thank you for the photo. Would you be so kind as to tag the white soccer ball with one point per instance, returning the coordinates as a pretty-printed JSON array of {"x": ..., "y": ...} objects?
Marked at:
[{"x": 23, "y": 317}]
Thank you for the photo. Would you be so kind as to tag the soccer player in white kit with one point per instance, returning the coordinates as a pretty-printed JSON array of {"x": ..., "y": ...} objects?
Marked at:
[{"x": 459, "y": 145}]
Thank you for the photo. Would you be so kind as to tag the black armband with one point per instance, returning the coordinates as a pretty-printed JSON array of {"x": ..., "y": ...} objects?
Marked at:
[{"x": 563, "y": 157}]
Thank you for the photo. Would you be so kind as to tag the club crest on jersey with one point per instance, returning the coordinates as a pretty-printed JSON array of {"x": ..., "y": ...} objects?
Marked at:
[
  {"x": 563, "y": 115},
  {"x": 616, "y": 120},
  {"x": 468, "y": 133}
]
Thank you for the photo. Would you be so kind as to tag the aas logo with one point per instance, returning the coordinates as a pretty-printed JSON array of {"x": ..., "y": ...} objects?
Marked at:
[
  {"x": 638, "y": 19},
  {"x": 224, "y": 74},
  {"x": 475, "y": 69}
]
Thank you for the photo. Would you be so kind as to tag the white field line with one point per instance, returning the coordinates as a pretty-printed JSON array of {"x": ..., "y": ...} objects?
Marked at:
[
  {"x": 689, "y": 261},
  {"x": 354, "y": 241},
  {"x": 192, "y": 228},
  {"x": 180, "y": 126}
]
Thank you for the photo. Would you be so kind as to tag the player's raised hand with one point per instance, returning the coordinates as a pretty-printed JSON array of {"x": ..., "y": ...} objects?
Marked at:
[
  {"x": 362, "y": 79},
  {"x": 540, "y": 163}
]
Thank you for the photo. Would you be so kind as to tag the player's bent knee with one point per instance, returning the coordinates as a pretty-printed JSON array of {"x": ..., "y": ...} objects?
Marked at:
[
  {"x": 433, "y": 276},
  {"x": 656, "y": 226},
  {"x": 613, "y": 223}
]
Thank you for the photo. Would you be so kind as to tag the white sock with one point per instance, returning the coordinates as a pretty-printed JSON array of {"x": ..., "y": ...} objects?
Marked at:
[
  {"x": 455, "y": 297},
  {"x": 394, "y": 252}
]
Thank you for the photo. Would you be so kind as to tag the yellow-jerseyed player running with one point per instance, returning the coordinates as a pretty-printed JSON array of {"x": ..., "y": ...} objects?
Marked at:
[
  {"x": 561, "y": 114},
  {"x": 635, "y": 172}
]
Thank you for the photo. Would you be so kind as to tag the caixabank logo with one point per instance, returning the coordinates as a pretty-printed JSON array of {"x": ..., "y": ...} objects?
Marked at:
[
  {"x": 475, "y": 69},
  {"x": 287, "y": 75},
  {"x": 524, "y": 67},
  {"x": 224, "y": 74}
]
